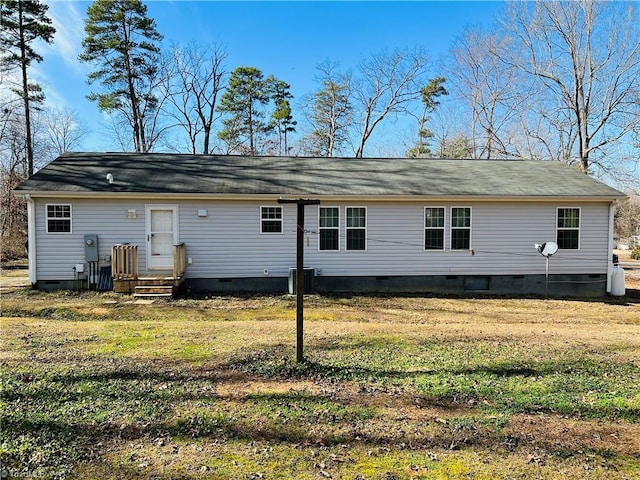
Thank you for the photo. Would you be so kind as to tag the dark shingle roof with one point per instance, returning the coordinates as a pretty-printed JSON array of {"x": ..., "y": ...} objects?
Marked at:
[{"x": 224, "y": 175}]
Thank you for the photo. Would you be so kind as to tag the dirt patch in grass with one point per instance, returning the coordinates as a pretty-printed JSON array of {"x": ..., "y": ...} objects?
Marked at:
[{"x": 569, "y": 435}]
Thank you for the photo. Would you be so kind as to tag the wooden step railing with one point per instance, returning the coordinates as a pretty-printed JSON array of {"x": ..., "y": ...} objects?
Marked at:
[
  {"x": 124, "y": 262},
  {"x": 179, "y": 260}
]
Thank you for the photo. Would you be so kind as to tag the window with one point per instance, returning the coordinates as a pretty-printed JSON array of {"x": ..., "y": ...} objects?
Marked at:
[
  {"x": 568, "y": 228},
  {"x": 270, "y": 219},
  {"x": 356, "y": 228},
  {"x": 434, "y": 228},
  {"x": 329, "y": 225},
  {"x": 460, "y": 228},
  {"x": 58, "y": 218}
]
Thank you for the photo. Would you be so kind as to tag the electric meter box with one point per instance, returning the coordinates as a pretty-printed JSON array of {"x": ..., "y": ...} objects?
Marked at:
[{"x": 91, "y": 247}]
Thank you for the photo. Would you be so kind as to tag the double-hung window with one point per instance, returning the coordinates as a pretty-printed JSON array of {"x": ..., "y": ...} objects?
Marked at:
[
  {"x": 568, "y": 228},
  {"x": 329, "y": 228},
  {"x": 356, "y": 230},
  {"x": 270, "y": 219},
  {"x": 460, "y": 228},
  {"x": 58, "y": 218},
  {"x": 434, "y": 228}
]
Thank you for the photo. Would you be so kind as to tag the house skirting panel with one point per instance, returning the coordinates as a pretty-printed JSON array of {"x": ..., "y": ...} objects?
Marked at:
[
  {"x": 230, "y": 285},
  {"x": 568, "y": 285},
  {"x": 535, "y": 285},
  {"x": 51, "y": 285},
  {"x": 574, "y": 285}
]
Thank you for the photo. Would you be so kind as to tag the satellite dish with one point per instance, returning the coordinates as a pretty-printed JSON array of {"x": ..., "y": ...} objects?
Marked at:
[
  {"x": 109, "y": 178},
  {"x": 547, "y": 249}
]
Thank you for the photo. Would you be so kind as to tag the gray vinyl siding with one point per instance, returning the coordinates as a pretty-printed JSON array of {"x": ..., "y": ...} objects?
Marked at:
[
  {"x": 58, "y": 253},
  {"x": 502, "y": 238},
  {"x": 227, "y": 243}
]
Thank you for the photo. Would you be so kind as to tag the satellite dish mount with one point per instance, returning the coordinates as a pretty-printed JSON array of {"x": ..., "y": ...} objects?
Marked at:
[{"x": 546, "y": 249}]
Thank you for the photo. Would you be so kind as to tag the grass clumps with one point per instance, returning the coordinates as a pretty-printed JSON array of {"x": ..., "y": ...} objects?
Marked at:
[{"x": 95, "y": 387}]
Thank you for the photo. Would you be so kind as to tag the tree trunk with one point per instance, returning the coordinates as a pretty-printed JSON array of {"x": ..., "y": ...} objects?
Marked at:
[
  {"x": 207, "y": 134},
  {"x": 25, "y": 92},
  {"x": 138, "y": 144},
  {"x": 286, "y": 147},
  {"x": 584, "y": 141},
  {"x": 332, "y": 132},
  {"x": 252, "y": 150}
]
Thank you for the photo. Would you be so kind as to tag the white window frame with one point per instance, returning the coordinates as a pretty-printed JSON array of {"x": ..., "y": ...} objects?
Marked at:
[
  {"x": 329, "y": 228},
  {"x": 70, "y": 218},
  {"x": 281, "y": 220},
  {"x": 444, "y": 229},
  {"x": 578, "y": 229},
  {"x": 347, "y": 228},
  {"x": 451, "y": 228}
]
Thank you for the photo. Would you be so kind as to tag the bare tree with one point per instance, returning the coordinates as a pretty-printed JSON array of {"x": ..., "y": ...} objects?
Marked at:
[
  {"x": 13, "y": 147},
  {"x": 389, "y": 83},
  {"x": 153, "y": 112},
  {"x": 490, "y": 89},
  {"x": 583, "y": 60},
  {"x": 14, "y": 168},
  {"x": 13, "y": 216},
  {"x": 329, "y": 111},
  {"x": 64, "y": 131},
  {"x": 193, "y": 77},
  {"x": 51, "y": 132},
  {"x": 627, "y": 217}
]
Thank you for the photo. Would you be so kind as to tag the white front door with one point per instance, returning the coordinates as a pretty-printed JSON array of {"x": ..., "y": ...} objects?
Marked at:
[{"x": 162, "y": 235}]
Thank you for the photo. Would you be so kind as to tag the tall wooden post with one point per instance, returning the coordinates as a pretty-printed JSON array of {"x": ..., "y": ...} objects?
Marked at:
[{"x": 300, "y": 273}]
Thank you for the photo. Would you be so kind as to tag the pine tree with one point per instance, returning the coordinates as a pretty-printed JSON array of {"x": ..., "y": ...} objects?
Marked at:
[
  {"x": 242, "y": 101},
  {"x": 429, "y": 93},
  {"x": 121, "y": 41},
  {"x": 24, "y": 22},
  {"x": 281, "y": 117}
]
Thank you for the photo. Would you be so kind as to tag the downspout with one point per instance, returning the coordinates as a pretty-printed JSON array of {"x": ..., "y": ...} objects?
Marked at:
[
  {"x": 31, "y": 237},
  {"x": 610, "y": 246}
]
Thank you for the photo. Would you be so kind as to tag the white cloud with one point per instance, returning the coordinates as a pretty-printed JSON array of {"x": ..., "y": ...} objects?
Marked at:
[
  {"x": 61, "y": 68},
  {"x": 52, "y": 96},
  {"x": 68, "y": 21}
]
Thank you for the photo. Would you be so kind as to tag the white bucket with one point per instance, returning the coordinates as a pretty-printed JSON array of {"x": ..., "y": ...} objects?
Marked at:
[{"x": 617, "y": 282}]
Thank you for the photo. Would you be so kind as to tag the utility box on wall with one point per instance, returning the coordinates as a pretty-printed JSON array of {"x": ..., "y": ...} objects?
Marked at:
[{"x": 91, "y": 247}]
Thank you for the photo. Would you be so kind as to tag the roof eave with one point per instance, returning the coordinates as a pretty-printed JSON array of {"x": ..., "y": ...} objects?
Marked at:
[{"x": 328, "y": 197}]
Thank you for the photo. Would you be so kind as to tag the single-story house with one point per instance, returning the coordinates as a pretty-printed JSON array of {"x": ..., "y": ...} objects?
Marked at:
[{"x": 384, "y": 225}]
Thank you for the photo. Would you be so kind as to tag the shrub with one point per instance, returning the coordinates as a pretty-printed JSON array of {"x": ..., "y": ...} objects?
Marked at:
[{"x": 635, "y": 253}]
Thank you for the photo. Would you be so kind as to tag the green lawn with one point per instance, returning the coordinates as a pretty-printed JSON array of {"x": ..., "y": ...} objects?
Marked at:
[{"x": 96, "y": 386}]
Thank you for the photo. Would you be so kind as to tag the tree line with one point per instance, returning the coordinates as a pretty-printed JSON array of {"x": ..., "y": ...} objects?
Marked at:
[{"x": 547, "y": 80}]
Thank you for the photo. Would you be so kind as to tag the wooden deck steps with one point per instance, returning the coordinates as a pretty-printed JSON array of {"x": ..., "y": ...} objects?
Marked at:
[
  {"x": 148, "y": 285},
  {"x": 153, "y": 291},
  {"x": 160, "y": 285}
]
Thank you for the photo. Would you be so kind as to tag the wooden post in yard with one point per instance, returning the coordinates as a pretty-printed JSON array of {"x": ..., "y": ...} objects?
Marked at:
[{"x": 300, "y": 273}]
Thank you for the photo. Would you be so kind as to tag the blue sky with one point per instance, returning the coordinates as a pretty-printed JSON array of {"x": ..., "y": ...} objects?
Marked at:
[{"x": 286, "y": 39}]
